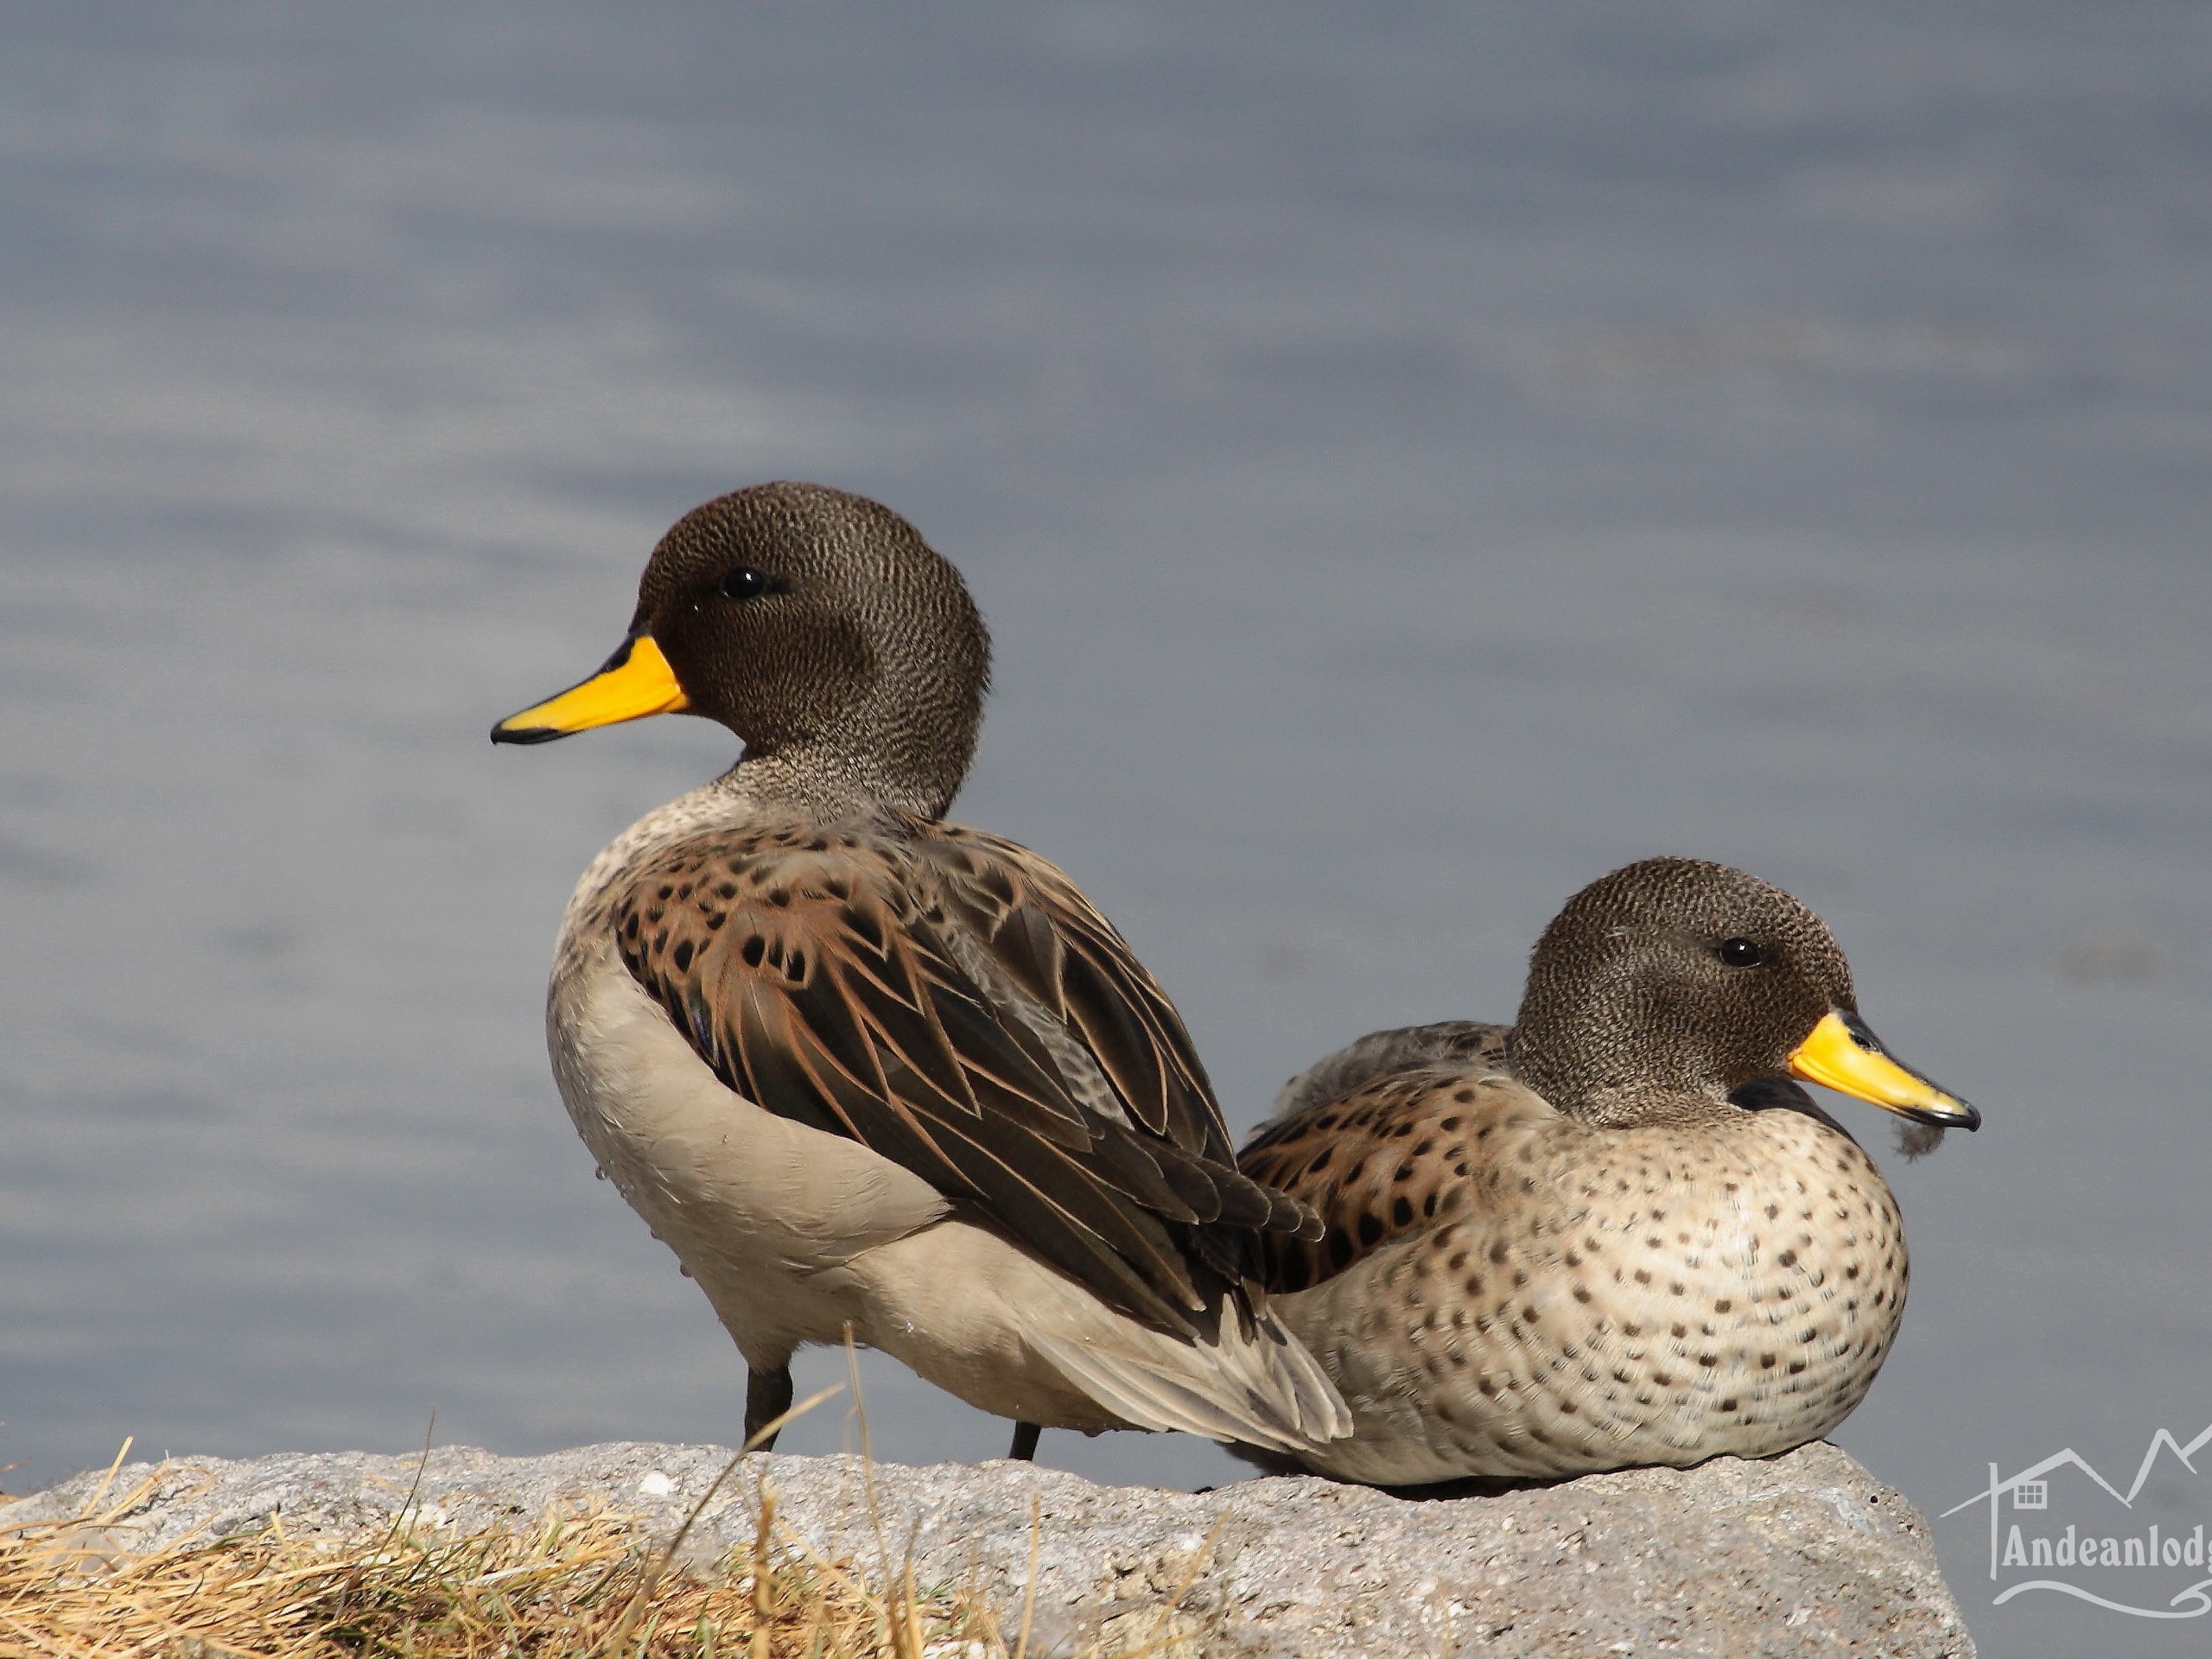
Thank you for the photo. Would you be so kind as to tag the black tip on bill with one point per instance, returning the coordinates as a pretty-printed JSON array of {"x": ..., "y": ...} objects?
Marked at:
[
  {"x": 504, "y": 733},
  {"x": 1970, "y": 1122}
]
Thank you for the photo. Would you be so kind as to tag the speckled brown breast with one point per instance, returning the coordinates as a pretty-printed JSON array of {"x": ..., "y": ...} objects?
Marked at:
[{"x": 1517, "y": 1293}]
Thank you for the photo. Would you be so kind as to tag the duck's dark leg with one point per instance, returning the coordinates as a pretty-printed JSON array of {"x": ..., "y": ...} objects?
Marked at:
[
  {"x": 767, "y": 1396},
  {"x": 1024, "y": 1442}
]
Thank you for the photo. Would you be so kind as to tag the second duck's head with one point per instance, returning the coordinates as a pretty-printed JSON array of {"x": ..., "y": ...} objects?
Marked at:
[
  {"x": 816, "y": 624},
  {"x": 1664, "y": 987}
]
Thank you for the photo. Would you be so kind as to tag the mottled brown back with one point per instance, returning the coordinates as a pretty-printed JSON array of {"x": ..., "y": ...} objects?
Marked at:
[
  {"x": 1374, "y": 1164},
  {"x": 951, "y": 1001}
]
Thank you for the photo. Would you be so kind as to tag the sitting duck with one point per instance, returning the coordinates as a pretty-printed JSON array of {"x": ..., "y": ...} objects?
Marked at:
[{"x": 1617, "y": 1233}]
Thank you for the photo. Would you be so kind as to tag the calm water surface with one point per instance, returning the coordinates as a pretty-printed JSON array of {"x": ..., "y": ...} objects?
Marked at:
[{"x": 1414, "y": 458}]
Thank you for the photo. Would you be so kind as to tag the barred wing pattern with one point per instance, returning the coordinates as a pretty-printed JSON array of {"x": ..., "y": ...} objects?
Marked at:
[{"x": 951, "y": 1001}]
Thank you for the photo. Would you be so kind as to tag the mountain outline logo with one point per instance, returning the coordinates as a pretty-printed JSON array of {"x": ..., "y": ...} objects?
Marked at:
[{"x": 2033, "y": 1491}]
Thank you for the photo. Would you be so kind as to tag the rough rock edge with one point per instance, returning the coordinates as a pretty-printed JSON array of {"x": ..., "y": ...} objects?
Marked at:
[{"x": 1802, "y": 1553}]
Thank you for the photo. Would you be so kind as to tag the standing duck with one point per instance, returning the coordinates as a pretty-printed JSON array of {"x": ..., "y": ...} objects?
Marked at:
[
  {"x": 1617, "y": 1233},
  {"x": 867, "y": 1072}
]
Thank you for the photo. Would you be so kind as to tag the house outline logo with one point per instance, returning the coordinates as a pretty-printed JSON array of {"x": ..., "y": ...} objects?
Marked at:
[{"x": 2031, "y": 1491}]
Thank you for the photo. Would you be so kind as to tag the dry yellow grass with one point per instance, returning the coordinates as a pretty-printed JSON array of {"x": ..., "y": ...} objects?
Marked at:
[
  {"x": 588, "y": 1585},
  {"x": 582, "y": 1584}
]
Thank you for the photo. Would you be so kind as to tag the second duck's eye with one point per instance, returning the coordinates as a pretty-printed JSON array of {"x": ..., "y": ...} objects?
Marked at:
[
  {"x": 1740, "y": 953},
  {"x": 743, "y": 583}
]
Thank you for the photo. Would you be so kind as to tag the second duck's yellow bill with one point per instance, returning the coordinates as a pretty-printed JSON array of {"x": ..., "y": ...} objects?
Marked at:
[
  {"x": 1844, "y": 1055},
  {"x": 636, "y": 681}
]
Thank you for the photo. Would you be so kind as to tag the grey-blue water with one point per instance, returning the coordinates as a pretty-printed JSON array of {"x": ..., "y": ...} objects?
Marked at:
[{"x": 1414, "y": 458}]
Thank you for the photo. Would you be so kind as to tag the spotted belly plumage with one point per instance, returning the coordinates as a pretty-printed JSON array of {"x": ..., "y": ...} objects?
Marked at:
[{"x": 1540, "y": 1297}]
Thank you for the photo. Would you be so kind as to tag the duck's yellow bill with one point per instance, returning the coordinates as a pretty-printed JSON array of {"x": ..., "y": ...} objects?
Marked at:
[
  {"x": 1844, "y": 1055},
  {"x": 636, "y": 681}
]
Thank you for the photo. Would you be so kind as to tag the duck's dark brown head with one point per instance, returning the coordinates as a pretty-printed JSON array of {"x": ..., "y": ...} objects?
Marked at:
[
  {"x": 1665, "y": 987},
  {"x": 816, "y": 624}
]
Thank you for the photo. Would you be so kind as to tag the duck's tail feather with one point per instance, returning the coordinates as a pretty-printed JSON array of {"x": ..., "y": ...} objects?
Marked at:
[{"x": 1252, "y": 1383}]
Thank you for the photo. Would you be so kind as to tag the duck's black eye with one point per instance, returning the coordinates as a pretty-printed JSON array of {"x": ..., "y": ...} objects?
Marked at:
[
  {"x": 742, "y": 583},
  {"x": 1740, "y": 953}
]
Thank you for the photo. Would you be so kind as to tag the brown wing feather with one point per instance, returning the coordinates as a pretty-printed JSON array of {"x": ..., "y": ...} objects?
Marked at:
[
  {"x": 954, "y": 1004},
  {"x": 1394, "y": 1155},
  {"x": 1054, "y": 943}
]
